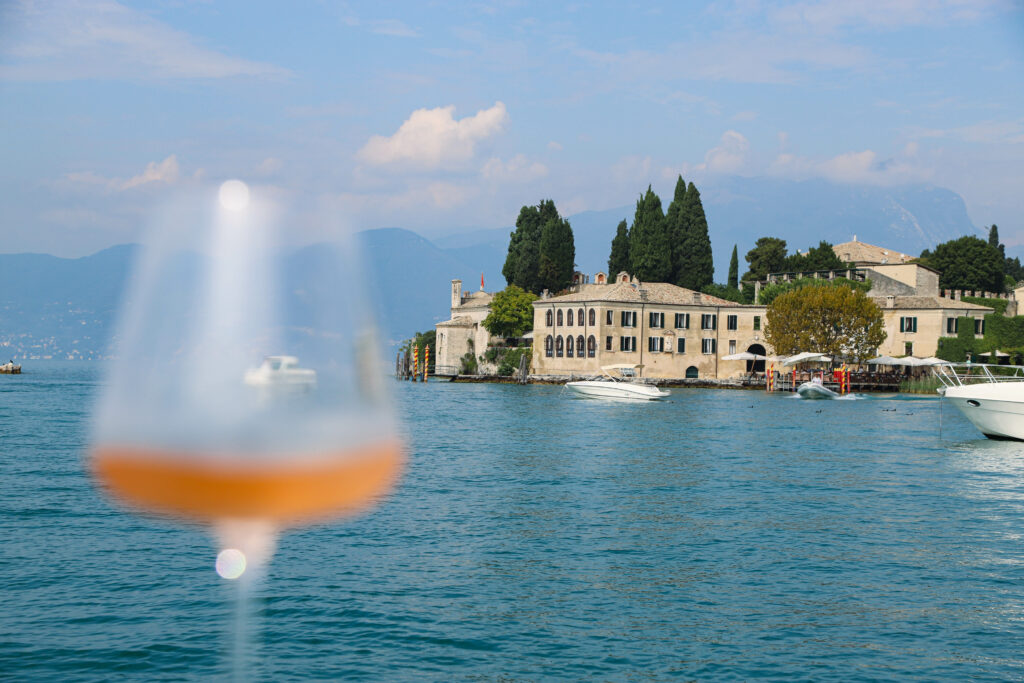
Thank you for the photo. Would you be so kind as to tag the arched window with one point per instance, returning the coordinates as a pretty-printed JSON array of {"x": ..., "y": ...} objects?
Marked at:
[
  {"x": 568, "y": 318},
  {"x": 549, "y": 318},
  {"x": 592, "y": 317},
  {"x": 591, "y": 345},
  {"x": 549, "y": 345},
  {"x": 559, "y": 317},
  {"x": 579, "y": 346},
  {"x": 579, "y": 317},
  {"x": 691, "y": 372},
  {"x": 568, "y": 347},
  {"x": 558, "y": 346}
]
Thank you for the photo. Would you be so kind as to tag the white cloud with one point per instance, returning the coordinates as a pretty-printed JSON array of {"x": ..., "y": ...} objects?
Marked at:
[
  {"x": 87, "y": 39},
  {"x": 268, "y": 166},
  {"x": 555, "y": 146},
  {"x": 859, "y": 168},
  {"x": 518, "y": 169},
  {"x": 165, "y": 171},
  {"x": 433, "y": 138},
  {"x": 729, "y": 156},
  {"x": 985, "y": 132}
]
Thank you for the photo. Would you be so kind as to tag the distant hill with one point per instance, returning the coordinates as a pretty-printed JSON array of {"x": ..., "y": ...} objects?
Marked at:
[{"x": 59, "y": 307}]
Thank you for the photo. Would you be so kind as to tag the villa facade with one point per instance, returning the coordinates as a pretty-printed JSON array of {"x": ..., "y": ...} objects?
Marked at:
[{"x": 671, "y": 331}]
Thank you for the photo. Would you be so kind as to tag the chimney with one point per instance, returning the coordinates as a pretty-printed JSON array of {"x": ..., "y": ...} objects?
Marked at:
[
  {"x": 890, "y": 301},
  {"x": 696, "y": 297},
  {"x": 456, "y": 293}
]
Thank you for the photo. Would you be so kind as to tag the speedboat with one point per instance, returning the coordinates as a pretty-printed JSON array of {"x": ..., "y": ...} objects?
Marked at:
[
  {"x": 281, "y": 373},
  {"x": 815, "y": 389},
  {"x": 625, "y": 386},
  {"x": 992, "y": 401}
]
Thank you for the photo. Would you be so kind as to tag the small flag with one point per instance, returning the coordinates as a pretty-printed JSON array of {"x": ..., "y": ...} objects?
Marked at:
[{"x": 481, "y": 282}]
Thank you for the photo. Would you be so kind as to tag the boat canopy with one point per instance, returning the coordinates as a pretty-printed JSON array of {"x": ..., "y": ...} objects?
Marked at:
[
  {"x": 744, "y": 355},
  {"x": 622, "y": 366}
]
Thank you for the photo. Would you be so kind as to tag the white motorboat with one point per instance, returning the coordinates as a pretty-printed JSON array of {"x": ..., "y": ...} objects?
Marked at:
[
  {"x": 815, "y": 389},
  {"x": 990, "y": 396},
  {"x": 624, "y": 386},
  {"x": 281, "y": 373}
]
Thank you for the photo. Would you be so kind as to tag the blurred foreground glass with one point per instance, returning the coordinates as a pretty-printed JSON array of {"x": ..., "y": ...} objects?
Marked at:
[{"x": 246, "y": 392}]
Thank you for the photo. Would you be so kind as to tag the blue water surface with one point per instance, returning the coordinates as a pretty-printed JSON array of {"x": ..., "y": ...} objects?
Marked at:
[{"x": 719, "y": 535}]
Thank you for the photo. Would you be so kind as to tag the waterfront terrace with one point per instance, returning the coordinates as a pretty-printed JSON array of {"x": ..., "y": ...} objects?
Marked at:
[{"x": 672, "y": 331}]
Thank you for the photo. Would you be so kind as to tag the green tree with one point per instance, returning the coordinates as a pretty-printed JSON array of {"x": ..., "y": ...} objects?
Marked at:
[
  {"x": 698, "y": 268},
  {"x": 678, "y": 228},
  {"x": 967, "y": 263},
  {"x": 557, "y": 255},
  {"x": 734, "y": 270},
  {"x": 821, "y": 257},
  {"x": 650, "y": 253},
  {"x": 839, "y": 321},
  {"x": 993, "y": 237},
  {"x": 618, "y": 261},
  {"x": 511, "y": 313},
  {"x": 724, "y": 292},
  {"x": 770, "y": 292},
  {"x": 420, "y": 341},
  {"x": 520, "y": 266},
  {"x": 767, "y": 256}
]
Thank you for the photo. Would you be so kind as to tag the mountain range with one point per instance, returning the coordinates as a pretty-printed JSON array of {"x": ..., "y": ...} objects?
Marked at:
[{"x": 56, "y": 307}]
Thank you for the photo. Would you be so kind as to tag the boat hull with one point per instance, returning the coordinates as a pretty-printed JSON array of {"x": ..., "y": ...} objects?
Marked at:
[
  {"x": 598, "y": 389},
  {"x": 996, "y": 409},
  {"x": 815, "y": 391}
]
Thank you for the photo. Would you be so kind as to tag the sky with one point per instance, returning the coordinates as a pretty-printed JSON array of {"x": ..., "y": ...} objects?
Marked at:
[{"x": 443, "y": 117}]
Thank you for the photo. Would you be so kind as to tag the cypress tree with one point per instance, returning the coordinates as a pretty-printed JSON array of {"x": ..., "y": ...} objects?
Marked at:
[
  {"x": 993, "y": 236},
  {"x": 557, "y": 254},
  {"x": 678, "y": 230},
  {"x": 618, "y": 261},
  {"x": 522, "y": 263},
  {"x": 734, "y": 269},
  {"x": 699, "y": 268},
  {"x": 650, "y": 254}
]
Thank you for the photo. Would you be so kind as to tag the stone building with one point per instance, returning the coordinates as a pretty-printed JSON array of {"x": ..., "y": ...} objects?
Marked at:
[
  {"x": 672, "y": 331},
  {"x": 463, "y": 332}
]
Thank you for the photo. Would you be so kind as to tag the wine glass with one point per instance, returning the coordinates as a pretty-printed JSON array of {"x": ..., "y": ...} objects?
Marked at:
[{"x": 246, "y": 393}]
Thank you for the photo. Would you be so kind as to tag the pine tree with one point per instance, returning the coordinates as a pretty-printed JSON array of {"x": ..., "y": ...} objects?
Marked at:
[
  {"x": 734, "y": 269},
  {"x": 618, "y": 261},
  {"x": 678, "y": 230},
  {"x": 557, "y": 254},
  {"x": 699, "y": 268},
  {"x": 649, "y": 245}
]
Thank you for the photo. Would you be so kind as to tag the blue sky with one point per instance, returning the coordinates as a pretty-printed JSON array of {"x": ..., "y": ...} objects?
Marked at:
[{"x": 442, "y": 117}]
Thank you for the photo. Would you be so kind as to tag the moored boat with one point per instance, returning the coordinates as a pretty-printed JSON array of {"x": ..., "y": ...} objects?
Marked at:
[
  {"x": 990, "y": 396},
  {"x": 623, "y": 387},
  {"x": 10, "y": 368}
]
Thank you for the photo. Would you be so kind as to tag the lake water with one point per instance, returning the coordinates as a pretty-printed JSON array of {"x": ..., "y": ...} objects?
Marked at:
[{"x": 717, "y": 535}]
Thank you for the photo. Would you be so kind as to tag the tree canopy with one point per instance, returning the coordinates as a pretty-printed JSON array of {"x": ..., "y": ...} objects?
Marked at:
[
  {"x": 821, "y": 257},
  {"x": 526, "y": 253},
  {"x": 511, "y": 313},
  {"x": 650, "y": 253},
  {"x": 770, "y": 292},
  {"x": 968, "y": 263},
  {"x": 618, "y": 261},
  {"x": 767, "y": 256},
  {"x": 839, "y": 321}
]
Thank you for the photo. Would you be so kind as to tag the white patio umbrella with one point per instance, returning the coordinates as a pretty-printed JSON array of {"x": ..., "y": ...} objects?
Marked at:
[
  {"x": 910, "y": 362},
  {"x": 881, "y": 360},
  {"x": 807, "y": 357},
  {"x": 744, "y": 355},
  {"x": 932, "y": 360}
]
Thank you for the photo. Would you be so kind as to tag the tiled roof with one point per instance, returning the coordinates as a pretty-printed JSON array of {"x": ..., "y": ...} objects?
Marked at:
[
  {"x": 862, "y": 252},
  {"x": 642, "y": 292},
  {"x": 457, "y": 321},
  {"x": 927, "y": 302}
]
